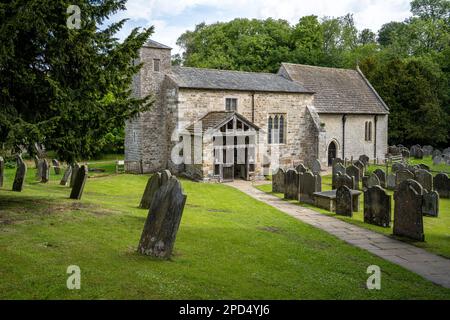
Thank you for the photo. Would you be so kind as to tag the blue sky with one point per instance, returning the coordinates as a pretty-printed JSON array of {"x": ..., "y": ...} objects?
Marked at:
[{"x": 173, "y": 17}]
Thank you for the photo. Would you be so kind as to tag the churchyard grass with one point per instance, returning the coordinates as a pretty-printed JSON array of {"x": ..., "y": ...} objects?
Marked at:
[
  {"x": 229, "y": 246},
  {"x": 437, "y": 230}
]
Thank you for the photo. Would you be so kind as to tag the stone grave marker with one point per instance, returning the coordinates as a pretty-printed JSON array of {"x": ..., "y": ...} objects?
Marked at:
[
  {"x": 373, "y": 181},
  {"x": 21, "y": 173},
  {"x": 427, "y": 150},
  {"x": 165, "y": 176},
  {"x": 390, "y": 181},
  {"x": 335, "y": 161},
  {"x": 291, "y": 184},
  {"x": 45, "y": 171},
  {"x": 381, "y": 176},
  {"x": 278, "y": 181},
  {"x": 437, "y": 160},
  {"x": 353, "y": 171},
  {"x": 337, "y": 169},
  {"x": 316, "y": 167},
  {"x": 56, "y": 166},
  {"x": 419, "y": 154},
  {"x": 344, "y": 201},
  {"x": 405, "y": 153},
  {"x": 430, "y": 204},
  {"x": 163, "y": 221},
  {"x": 364, "y": 159},
  {"x": 441, "y": 184},
  {"x": 2, "y": 171},
  {"x": 397, "y": 167},
  {"x": 153, "y": 185},
  {"x": 38, "y": 164},
  {"x": 301, "y": 168},
  {"x": 377, "y": 207},
  {"x": 75, "y": 168},
  {"x": 66, "y": 176},
  {"x": 345, "y": 180},
  {"x": 436, "y": 153},
  {"x": 425, "y": 179},
  {"x": 403, "y": 175},
  {"x": 361, "y": 166},
  {"x": 79, "y": 183},
  {"x": 408, "y": 216},
  {"x": 308, "y": 184}
]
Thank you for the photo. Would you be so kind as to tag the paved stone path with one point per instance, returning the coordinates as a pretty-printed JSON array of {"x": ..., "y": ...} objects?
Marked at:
[{"x": 428, "y": 265}]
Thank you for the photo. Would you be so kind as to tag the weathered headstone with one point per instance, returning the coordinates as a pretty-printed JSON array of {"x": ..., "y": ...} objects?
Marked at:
[
  {"x": 345, "y": 180},
  {"x": 45, "y": 171},
  {"x": 373, "y": 181},
  {"x": 381, "y": 176},
  {"x": 308, "y": 184},
  {"x": 56, "y": 166},
  {"x": 425, "y": 179},
  {"x": 436, "y": 153},
  {"x": 408, "y": 217},
  {"x": 75, "y": 168},
  {"x": 397, "y": 167},
  {"x": 38, "y": 164},
  {"x": 80, "y": 181},
  {"x": 441, "y": 184},
  {"x": 153, "y": 184},
  {"x": 278, "y": 181},
  {"x": 430, "y": 205},
  {"x": 377, "y": 207},
  {"x": 301, "y": 168},
  {"x": 165, "y": 176},
  {"x": 2, "y": 171},
  {"x": 427, "y": 150},
  {"x": 353, "y": 171},
  {"x": 291, "y": 184},
  {"x": 344, "y": 201},
  {"x": 337, "y": 169},
  {"x": 21, "y": 173},
  {"x": 405, "y": 153},
  {"x": 316, "y": 167},
  {"x": 163, "y": 221},
  {"x": 419, "y": 154},
  {"x": 390, "y": 181},
  {"x": 394, "y": 150},
  {"x": 66, "y": 176},
  {"x": 361, "y": 166},
  {"x": 446, "y": 151},
  {"x": 364, "y": 159},
  {"x": 335, "y": 161},
  {"x": 403, "y": 175},
  {"x": 437, "y": 160}
]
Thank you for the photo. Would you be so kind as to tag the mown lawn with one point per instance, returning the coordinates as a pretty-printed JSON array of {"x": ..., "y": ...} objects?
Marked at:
[
  {"x": 229, "y": 246},
  {"x": 437, "y": 230}
]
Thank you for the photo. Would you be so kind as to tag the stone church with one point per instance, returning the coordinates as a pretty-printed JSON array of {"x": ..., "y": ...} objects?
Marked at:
[{"x": 219, "y": 125}]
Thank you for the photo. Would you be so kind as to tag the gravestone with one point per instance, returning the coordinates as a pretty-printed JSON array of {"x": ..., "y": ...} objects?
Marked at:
[
  {"x": 2, "y": 171},
  {"x": 403, "y": 175},
  {"x": 377, "y": 207},
  {"x": 38, "y": 164},
  {"x": 75, "y": 168},
  {"x": 335, "y": 161},
  {"x": 21, "y": 173},
  {"x": 45, "y": 171},
  {"x": 291, "y": 184},
  {"x": 308, "y": 184},
  {"x": 397, "y": 167},
  {"x": 66, "y": 176},
  {"x": 408, "y": 217},
  {"x": 441, "y": 184},
  {"x": 405, "y": 153},
  {"x": 430, "y": 205},
  {"x": 427, "y": 150},
  {"x": 390, "y": 181},
  {"x": 381, "y": 176},
  {"x": 419, "y": 154},
  {"x": 345, "y": 180},
  {"x": 165, "y": 176},
  {"x": 446, "y": 151},
  {"x": 278, "y": 181},
  {"x": 364, "y": 181},
  {"x": 153, "y": 185},
  {"x": 316, "y": 167},
  {"x": 425, "y": 179},
  {"x": 163, "y": 220},
  {"x": 56, "y": 166},
  {"x": 337, "y": 169},
  {"x": 344, "y": 201},
  {"x": 361, "y": 166},
  {"x": 80, "y": 181},
  {"x": 373, "y": 181},
  {"x": 437, "y": 160},
  {"x": 364, "y": 159},
  {"x": 301, "y": 168},
  {"x": 353, "y": 171},
  {"x": 436, "y": 153}
]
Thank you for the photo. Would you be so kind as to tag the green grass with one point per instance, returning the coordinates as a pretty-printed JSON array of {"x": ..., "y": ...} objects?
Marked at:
[
  {"x": 229, "y": 246},
  {"x": 437, "y": 230}
]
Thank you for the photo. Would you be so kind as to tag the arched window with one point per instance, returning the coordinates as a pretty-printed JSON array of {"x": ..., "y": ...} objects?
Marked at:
[
  {"x": 270, "y": 130},
  {"x": 276, "y": 132},
  {"x": 281, "y": 129},
  {"x": 276, "y": 129},
  {"x": 368, "y": 131}
]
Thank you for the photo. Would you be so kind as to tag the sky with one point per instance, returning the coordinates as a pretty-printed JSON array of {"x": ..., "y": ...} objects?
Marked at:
[{"x": 171, "y": 18}]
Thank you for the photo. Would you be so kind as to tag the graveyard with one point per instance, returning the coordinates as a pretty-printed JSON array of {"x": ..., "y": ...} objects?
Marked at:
[{"x": 229, "y": 246}]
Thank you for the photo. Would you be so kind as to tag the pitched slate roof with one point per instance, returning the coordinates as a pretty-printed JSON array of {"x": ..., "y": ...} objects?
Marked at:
[
  {"x": 199, "y": 78},
  {"x": 157, "y": 45},
  {"x": 337, "y": 90},
  {"x": 216, "y": 119}
]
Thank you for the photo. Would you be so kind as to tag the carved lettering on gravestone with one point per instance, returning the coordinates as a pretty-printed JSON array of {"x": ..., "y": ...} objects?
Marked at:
[
  {"x": 278, "y": 181},
  {"x": 430, "y": 205},
  {"x": 163, "y": 221},
  {"x": 373, "y": 181},
  {"x": 75, "y": 168},
  {"x": 291, "y": 184},
  {"x": 45, "y": 171},
  {"x": 345, "y": 180},
  {"x": 21, "y": 173},
  {"x": 301, "y": 168},
  {"x": 308, "y": 184},
  {"x": 441, "y": 184},
  {"x": 153, "y": 184},
  {"x": 165, "y": 176},
  {"x": 403, "y": 175},
  {"x": 353, "y": 171},
  {"x": 316, "y": 167},
  {"x": 66, "y": 176},
  {"x": 56, "y": 166},
  {"x": 390, "y": 181},
  {"x": 408, "y": 217},
  {"x": 344, "y": 201},
  {"x": 79, "y": 183},
  {"x": 2, "y": 171},
  {"x": 425, "y": 179},
  {"x": 381, "y": 176},
  {"x": 377, "y": 206}
]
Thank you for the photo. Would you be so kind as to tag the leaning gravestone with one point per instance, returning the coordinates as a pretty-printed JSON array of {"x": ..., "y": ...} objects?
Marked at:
[
  {"x": 381, "y": 176},
  {"x": 2, "y": 171},
  {"x": 165, "y": 176},
  {"x": 390, "y": 181},
  {"x": 353, "y": 171},
  {"x": 345, "y": 180},
  {"x": 163, "y": 221},
  {"x": 377, "y": 207},
  {"x": 425, "y": 179},
  {"x": 337, "y": 169},
  {"x": 373, "y": 181},
  {"x": 278, "y": 181},
  {"x": 66, "y": 176},
  {"x": 344, "y": 202},
  {"x": 21, "y": 173},
  {"x": 316, "y": 167},
  {"x": 408, "y": 217},
  {"x": 301, "y": 168},
  {"x": 291, "y": 185},
  {"x": 403, "y": 175},
  {"x": 441, "y": 183},
  {"x": 56, "y": 166},
  {"x": 308, "y": 184},
  {"x": 45, "y": 171},
  {"x": 361, "y": 166},
  {"x": 153, "y": 184},
  {"x": 80, "y": 181},
  {"x": 364, "y": 159},
  {"x": 430, "y": 205},
  {"x": 75, "y": 168}
]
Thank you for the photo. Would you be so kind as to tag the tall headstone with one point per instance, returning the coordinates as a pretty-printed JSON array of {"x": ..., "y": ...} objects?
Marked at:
[
  {"x": 301, "y": 168},
  {"x": 75, "y": 168},
  {"x": 56, "y": 166},
  {"x": 361, "y": 166},
  {"x": 66, "y": 176},
  {"x": 403, "y": 175},
  {"x": 373, "y": 181},
  {"x": 79, "y": 183},
  {"x": 45, "y": 171},
  {"x": 316, "y": 167},
  {"x": 419, "y": 154},
  {"x": 364, "y": 159},
  {"x": 163, "y": 221},
  {"x": 291, "y": 184},
  {"x": 441, "y": 183},
  {"x": 2, "y": 171},
  {"x": 344, "y": 201},
  {"x": 337, "y": 169},
  {"x": 377, "y": 207},
  {"x": 278, "y": 181},
  {"x": 38, "y": 164},
  {"x": 408, "y": 217},
  {"x": 390, "y": 181},
  {"x": 153, "y": 185},
  {"x": 308, "y": 184},
  {"x": 353, "y": 171},
  {"x": 430, "y": 204},
  {"x": 21, "y": 173},
  {"x": 381, "y": 176},
  {"x": 425, "y": 179},
  {"x": 345, "y": 180}
]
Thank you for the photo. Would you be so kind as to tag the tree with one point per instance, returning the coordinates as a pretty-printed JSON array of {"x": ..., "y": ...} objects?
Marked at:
[
  {"x": 66, "y": 88},
  {"x": 366, "y": 36},
  {"x": 307, "y": 37},
  {"x": 431, "y": 9}
]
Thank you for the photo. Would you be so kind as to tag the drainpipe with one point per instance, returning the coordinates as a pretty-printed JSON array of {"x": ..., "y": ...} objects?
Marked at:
[
  {"x": 375, "y": 137},
  {"x": 253, "y": 107},
  {"x": 344, "y": 119}
]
